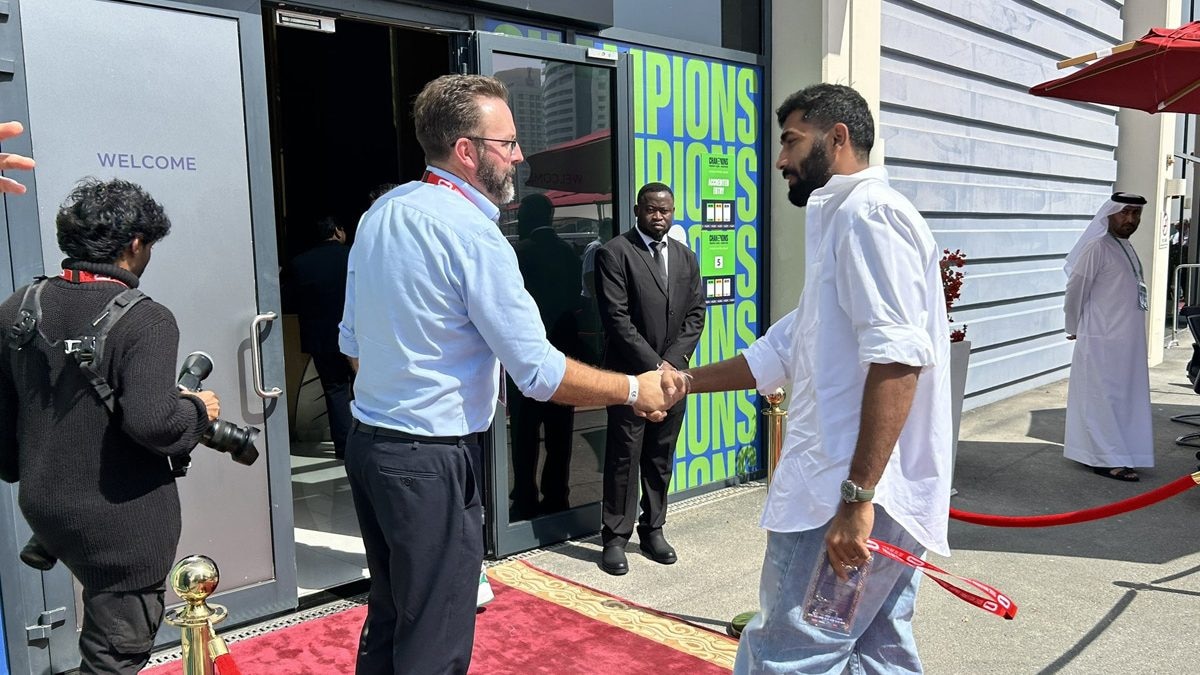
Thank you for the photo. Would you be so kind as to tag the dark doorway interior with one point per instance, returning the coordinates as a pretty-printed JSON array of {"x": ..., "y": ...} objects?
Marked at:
[
  {"x": 341, "y": 118},
  {"x": 341, "y": 126}
]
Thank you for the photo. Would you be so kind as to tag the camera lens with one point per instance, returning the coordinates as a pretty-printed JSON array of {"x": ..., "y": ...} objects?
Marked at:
[{"x": 237, "y": 441}]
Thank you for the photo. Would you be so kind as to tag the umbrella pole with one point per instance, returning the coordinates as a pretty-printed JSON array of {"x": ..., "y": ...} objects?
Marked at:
[
  {"x": 1123, "y": 47},
  {"x": 1178, "y": 95}
]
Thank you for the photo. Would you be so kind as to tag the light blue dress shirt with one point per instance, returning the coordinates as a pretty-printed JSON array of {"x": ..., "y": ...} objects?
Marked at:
[{"x": 435, "y": 303}]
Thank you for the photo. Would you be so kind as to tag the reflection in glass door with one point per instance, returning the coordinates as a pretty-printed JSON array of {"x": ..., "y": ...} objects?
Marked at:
[{"x": 548, "y": 459}]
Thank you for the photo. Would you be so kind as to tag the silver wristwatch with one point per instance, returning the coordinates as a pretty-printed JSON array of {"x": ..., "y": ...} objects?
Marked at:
[{"x": 852, "y": 493}]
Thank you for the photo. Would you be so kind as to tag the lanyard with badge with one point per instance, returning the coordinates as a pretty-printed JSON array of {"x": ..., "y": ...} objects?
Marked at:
[{"x": 1143, "y": 293}]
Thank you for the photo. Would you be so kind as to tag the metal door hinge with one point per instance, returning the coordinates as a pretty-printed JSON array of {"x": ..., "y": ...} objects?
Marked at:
[{"x": 47, "y": 621}]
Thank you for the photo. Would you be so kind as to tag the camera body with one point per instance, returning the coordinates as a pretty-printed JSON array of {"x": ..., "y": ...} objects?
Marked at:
[{"x": 221, "y": 435}]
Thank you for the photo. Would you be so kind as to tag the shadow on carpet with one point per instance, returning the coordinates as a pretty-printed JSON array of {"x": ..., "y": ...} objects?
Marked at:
[{"x": 538, "y": 623}]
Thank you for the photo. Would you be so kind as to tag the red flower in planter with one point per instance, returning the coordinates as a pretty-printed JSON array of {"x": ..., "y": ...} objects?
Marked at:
[{"x": 952, "y": 281}]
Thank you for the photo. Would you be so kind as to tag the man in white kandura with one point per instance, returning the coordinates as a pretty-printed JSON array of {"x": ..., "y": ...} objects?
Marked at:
[{"x": 1108, "y": 397}]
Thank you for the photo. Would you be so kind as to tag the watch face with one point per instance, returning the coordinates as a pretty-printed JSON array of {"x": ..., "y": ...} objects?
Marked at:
[{"x": 848, "y": 490}]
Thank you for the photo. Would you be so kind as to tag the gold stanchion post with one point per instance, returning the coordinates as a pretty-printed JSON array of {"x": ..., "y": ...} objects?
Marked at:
[
  {"x": 195, "y": 578},
  {"x": 775, "y": 414}
]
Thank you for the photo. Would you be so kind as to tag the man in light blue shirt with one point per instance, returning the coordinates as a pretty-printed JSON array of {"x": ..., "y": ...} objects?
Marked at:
[{"x": 435, "y": 303}]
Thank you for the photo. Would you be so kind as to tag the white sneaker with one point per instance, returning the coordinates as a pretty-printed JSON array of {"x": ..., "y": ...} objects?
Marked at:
[{"x": 485, "y": 594}]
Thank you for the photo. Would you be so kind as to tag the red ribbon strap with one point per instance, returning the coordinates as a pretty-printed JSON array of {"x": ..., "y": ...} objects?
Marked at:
[{"x": 980, "y": 594}]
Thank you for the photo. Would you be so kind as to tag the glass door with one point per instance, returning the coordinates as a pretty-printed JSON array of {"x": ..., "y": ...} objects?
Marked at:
[{"x": 545, "y": 464}]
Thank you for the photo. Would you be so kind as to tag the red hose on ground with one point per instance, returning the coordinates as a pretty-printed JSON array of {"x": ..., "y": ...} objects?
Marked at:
[{"x": 1071, "y": 517}]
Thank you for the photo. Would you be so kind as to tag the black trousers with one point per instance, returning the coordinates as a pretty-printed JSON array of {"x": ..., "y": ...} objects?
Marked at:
[
  {"x": 420, "y": 512},
  {"x": 336, "y": 375},
  {"x": 636, "y": 446},
  {"x": 118, "y": 630}
]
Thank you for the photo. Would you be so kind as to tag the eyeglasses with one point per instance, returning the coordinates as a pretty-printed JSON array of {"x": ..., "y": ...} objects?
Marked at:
[{"x": 511, "y": 143}]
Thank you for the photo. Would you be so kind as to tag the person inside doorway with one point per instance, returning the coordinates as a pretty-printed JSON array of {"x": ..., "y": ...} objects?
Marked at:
[{"x": 314, "y": 288}]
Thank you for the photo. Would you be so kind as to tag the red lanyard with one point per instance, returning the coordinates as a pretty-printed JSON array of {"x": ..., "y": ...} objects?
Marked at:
[
  {"x": 980, "y": 594},
  {"x": 85, "y": 277},
  {"x": 434, "y": 179}
]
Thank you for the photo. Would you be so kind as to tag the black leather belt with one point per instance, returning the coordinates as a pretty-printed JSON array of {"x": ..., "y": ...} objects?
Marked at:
[{"x": 370, "y": 429}]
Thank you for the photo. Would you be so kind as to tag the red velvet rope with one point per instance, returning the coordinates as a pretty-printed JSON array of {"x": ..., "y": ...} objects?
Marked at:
[
  {"x": 225, "y": 666},
  {"x": 1071, "y": 517}
]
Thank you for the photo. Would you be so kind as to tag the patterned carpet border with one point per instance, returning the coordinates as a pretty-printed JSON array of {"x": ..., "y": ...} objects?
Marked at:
[{"x": 646, "y": 622}]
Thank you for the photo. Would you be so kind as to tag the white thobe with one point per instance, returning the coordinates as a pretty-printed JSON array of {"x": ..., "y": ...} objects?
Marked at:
[
  {"x": 1108, "y": 396},
  {"x": 872, "y": 294}
]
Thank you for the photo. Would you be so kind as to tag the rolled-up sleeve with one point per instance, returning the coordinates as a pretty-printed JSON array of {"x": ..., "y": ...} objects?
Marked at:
[
  {"x": 883, "y": 286},
  {"x": 770, "y": 356},
  {"x": 507, "y": 317}
]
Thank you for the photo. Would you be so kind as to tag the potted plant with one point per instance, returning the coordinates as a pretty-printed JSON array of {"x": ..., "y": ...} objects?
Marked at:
[{"x": 960, "y": 347}]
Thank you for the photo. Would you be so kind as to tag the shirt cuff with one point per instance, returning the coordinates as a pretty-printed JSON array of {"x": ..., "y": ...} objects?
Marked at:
[
  {"x": 908, "y": 345},
  {"x": 347, "y": 343},
  {"x": 547, "y": 376},
  {"x": 766, "y": 366}
]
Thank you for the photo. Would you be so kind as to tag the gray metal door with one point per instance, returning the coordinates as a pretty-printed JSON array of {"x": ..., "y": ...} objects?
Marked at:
[
  {"x": 174, "y": 100},
  {"x": 571, "y": 106}
]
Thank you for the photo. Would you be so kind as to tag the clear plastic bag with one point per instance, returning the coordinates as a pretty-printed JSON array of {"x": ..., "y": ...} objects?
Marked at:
[{"x": 830, "y": 603}]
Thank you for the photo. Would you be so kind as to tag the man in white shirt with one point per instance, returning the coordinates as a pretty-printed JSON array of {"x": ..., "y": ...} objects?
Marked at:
[
  {"x": 1108, "y": 398},
  {"x": 867, "y": 448}
]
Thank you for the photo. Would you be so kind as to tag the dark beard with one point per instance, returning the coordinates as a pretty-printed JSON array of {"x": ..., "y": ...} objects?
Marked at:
[{"x": 816, "y": 173}]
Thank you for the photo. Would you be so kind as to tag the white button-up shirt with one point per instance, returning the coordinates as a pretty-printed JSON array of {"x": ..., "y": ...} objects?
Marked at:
[{"x": 872, "y": 294}]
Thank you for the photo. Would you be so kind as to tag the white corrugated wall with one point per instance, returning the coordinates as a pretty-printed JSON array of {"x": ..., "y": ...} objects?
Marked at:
[{"x": 1009, "y": 178}]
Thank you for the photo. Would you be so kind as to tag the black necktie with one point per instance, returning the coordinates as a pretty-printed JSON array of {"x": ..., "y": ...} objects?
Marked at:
[{"x": 657, "y": 253}]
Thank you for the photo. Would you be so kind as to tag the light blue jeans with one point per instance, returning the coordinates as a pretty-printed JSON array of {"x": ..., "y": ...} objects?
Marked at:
[{"x": 778, "y": 640}]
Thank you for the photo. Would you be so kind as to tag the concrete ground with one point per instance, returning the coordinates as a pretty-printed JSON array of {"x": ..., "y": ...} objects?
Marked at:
[{"x": 1121, "y": 595}]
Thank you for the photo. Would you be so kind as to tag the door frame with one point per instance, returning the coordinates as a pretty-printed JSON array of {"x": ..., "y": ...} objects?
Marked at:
[{"x": 506, "y": 538}]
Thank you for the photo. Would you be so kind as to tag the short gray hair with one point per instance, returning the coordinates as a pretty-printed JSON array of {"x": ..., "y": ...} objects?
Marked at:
[{"x": 447, "y": 109}]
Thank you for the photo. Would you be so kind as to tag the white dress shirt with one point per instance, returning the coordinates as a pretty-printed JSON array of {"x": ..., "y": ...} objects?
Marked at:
[
  {"x": 872, "y": 294},
  {"x": 661, "y": 251}
]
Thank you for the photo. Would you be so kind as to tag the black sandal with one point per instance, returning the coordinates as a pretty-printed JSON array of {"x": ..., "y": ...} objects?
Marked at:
[{"x": 1122, "y": 473}]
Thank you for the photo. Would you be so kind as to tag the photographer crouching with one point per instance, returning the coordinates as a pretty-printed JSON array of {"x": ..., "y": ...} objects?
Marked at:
[{"x": 91, "y": 418}]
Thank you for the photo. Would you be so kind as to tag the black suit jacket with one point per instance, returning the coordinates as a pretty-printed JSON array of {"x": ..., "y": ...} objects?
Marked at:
[
  {"x": 642, "y": 325},
  {"x": 314, "y": 287}
]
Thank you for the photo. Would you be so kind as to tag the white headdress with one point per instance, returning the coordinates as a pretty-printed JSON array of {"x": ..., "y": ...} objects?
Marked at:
[{"x": 1099, "y": 225}]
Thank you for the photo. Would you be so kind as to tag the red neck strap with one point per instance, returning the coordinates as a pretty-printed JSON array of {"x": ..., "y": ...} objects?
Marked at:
[
  {"x": 85, "y": 277},
  {"x": 434, "y": 179}
]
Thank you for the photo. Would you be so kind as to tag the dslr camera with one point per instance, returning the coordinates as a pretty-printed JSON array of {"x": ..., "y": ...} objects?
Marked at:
[{"x": 221, "y": 435}]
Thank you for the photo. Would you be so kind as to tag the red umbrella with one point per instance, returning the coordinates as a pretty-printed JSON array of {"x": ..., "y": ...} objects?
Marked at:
[{"x": 1159, "y": 72}]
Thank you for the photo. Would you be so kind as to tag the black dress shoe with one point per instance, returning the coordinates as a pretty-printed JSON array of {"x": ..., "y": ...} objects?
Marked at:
[
  {"x": 655, "y": 545},
  {"x": 613, "y": 560}
]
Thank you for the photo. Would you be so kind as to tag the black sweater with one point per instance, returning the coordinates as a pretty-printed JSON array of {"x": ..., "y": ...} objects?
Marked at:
[{"x": 96, "y": 488}]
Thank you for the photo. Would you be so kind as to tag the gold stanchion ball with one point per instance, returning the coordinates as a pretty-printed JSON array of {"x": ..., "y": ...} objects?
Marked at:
[
  {"x": 195, "y": 578},
  {"x": 776, "y": 398}
]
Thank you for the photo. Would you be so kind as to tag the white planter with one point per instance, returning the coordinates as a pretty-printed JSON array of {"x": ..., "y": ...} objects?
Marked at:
[{"x": 960, "y": 356}]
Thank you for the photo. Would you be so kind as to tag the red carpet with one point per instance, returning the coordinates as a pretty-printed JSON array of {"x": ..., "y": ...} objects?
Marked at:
[{"x": 538, "y": 623}]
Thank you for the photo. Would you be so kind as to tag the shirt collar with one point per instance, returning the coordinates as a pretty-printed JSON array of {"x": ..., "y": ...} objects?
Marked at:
[
  {"x": 647, "y": 239},
  {"x": 842, "y": 182},
  {"x": 477, "y": 198}
]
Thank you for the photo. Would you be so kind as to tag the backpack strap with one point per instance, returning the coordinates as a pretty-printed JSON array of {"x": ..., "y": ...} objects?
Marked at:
[
  {"x": 89, "y": 350},
  {"x": 28, "y": 316}
]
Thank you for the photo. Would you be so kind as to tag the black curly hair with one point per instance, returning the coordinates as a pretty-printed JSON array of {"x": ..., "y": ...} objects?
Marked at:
[{"x": 99, "y": 219}]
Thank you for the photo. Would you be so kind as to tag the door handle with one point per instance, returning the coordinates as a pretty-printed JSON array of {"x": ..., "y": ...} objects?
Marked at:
[{"x": 256, "y": 356}]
